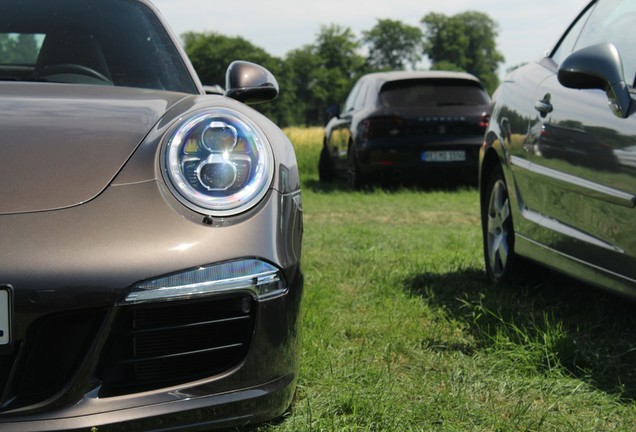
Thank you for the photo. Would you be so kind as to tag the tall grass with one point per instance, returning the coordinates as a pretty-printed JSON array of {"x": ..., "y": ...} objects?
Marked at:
[{"x": 401, "y": 332}]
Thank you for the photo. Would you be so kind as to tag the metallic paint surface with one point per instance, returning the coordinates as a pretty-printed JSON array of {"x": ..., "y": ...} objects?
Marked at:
[
  {"x": 85, "y": 213},
  {"x": 63, "y": 144},
  {"x": 572, "y": 197}
]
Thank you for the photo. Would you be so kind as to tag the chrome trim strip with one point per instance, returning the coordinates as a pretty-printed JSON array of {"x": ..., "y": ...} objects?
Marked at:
[
  {"x": 577, "y": 184},
  {"x": 554, "y": 225},
  {"x": 580, "y": 261}
]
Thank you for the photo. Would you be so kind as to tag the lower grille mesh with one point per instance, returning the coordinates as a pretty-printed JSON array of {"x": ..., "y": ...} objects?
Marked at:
[
  {"x": 164, "y": 344},
  {"x": 45, "y": 362}
]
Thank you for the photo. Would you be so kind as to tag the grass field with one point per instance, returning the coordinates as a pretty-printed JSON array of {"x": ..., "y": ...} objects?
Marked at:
[{"x": 401, "y": 332}]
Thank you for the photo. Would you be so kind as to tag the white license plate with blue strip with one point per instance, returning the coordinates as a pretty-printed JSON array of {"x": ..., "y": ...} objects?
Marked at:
[{"x": 444, "y": 156}]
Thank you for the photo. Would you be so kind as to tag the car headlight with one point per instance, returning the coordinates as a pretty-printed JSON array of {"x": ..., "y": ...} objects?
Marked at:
[{"x": 218, "y": 162}]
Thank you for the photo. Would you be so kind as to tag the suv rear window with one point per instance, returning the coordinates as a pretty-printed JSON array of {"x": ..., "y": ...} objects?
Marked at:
[{"x": 432, "y": 93}]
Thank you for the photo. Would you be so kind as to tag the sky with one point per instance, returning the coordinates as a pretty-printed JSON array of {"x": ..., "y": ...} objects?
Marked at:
[{"x": 526, "y": 29}]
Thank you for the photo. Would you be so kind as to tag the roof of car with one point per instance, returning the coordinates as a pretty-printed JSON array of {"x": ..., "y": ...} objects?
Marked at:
[{"x": 400, "y": 75}]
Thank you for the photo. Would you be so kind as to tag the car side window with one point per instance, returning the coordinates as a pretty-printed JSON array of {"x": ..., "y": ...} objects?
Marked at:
[
  {"x": 361, "y": 97},
  {"x": 566, "y": 46},
  {"x": 349, "y": 104},
  {"x": 612, "y": 21}
]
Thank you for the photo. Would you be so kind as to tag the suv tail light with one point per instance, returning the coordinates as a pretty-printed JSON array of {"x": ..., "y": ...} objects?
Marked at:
[
  {"x": 374, "y": 127},
  {"x": 485, "y": 119}
]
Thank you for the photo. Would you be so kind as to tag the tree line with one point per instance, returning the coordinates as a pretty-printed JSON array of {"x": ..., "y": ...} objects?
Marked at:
[{"x": 322, "y": 73}]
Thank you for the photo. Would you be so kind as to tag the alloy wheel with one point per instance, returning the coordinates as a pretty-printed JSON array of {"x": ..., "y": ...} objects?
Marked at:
[{"x": 498, "y": 230}]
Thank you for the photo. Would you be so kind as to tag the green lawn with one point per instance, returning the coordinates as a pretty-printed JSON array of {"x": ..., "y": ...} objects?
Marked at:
[{"x": 401, "y": 331}]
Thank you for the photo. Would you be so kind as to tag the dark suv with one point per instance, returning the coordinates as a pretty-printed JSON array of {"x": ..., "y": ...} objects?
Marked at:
[{"x": 404, "y": 126}]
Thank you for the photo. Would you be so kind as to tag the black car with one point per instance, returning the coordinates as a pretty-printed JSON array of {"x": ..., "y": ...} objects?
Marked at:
[
  {"x": 406, "y": 126},
  {"x": 557, "y": 177},
  {"x": 150, "y": 234}
]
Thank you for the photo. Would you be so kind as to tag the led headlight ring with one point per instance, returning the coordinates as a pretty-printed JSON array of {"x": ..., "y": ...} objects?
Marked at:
[{"x": 218, "y": 162}]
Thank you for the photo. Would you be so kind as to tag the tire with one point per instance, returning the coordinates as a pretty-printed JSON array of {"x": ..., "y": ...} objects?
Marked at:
[
  {"x": 325, "y": 166},
  {"x": 498, "y": 230},
  {"x": 355, "y": 179}
]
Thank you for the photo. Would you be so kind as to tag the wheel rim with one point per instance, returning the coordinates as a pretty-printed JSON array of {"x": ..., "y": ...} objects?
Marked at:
[{"x": 498, "y": 229}]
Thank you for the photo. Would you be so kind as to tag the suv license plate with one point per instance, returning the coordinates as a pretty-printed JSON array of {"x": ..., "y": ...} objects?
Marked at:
[{"x": 444, "y": 156}]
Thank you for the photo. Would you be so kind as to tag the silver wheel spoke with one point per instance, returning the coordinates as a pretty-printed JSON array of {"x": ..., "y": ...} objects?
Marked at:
[
  {"x": 497, "y": 232},
  {"x": 502, "y": 250},
  {"x": 504, "y": 212},
  {"x": 492, "y": 252}
]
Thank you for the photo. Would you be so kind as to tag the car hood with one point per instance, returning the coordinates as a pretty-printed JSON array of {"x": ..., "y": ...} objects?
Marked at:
[{"x": 61, "y": 145}]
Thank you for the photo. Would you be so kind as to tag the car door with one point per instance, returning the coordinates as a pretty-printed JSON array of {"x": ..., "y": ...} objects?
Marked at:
[
  {"x": 340, "y": 128},
  {"x": 579, "y": 156}
]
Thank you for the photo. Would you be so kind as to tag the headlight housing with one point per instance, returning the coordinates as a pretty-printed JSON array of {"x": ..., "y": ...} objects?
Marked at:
[
  {"x": 218, "y": 162},
  {"x": 261, "y": 279}
]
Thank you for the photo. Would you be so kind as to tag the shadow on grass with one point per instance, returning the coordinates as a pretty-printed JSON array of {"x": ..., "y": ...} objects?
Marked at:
[{"x": 583, "y": 331}]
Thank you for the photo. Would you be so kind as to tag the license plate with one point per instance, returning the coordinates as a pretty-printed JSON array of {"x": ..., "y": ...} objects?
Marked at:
[
  {"x": 5, "y": 317},
  {"x": 444, "y": 156}
]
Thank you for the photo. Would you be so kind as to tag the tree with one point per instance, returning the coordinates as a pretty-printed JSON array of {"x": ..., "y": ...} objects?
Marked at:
[
  {"x": 302, "y": 64},
  {"x": 465, "y": 40},
  {"x": 393, "y": 45},
  {"x": 341, "y": 64},
  {"x": 18, "y": 49},
  {"x": 212, "y": 53},
  {"x": 337, "y": 48},
  {"x": 324, "y": 72},
  {"x": 446, "y": 66}
]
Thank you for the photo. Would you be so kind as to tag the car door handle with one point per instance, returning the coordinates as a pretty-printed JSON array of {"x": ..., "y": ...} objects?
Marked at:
[{"x": 544, "y": 107}]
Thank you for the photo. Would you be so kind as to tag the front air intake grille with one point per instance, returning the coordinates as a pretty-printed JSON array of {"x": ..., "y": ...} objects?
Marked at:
[
  {"x": 46, "y": 361},
  {"x": 165, "y": 344}
]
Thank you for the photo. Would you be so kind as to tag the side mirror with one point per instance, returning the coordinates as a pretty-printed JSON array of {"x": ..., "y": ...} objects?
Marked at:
[
  {"x": 250, "y": 83},
  {"x": 598, "y": 67},
  {"x": 333, "y": 110}
]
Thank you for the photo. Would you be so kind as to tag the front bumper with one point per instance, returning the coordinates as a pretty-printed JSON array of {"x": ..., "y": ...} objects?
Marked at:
[{"x": 69, "y": 271}]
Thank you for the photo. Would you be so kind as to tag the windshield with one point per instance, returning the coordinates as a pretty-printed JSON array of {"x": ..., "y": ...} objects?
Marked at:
[
  {"x": 114, "y": 42},
  {"x": 432, "y": 93}
]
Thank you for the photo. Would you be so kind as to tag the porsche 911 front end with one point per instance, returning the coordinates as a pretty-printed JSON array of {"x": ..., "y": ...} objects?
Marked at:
[{"x": 151, "y": 242}]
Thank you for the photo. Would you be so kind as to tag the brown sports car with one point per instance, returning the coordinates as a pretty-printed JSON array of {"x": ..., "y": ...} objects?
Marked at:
[{"x": 150, "y": 234}]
